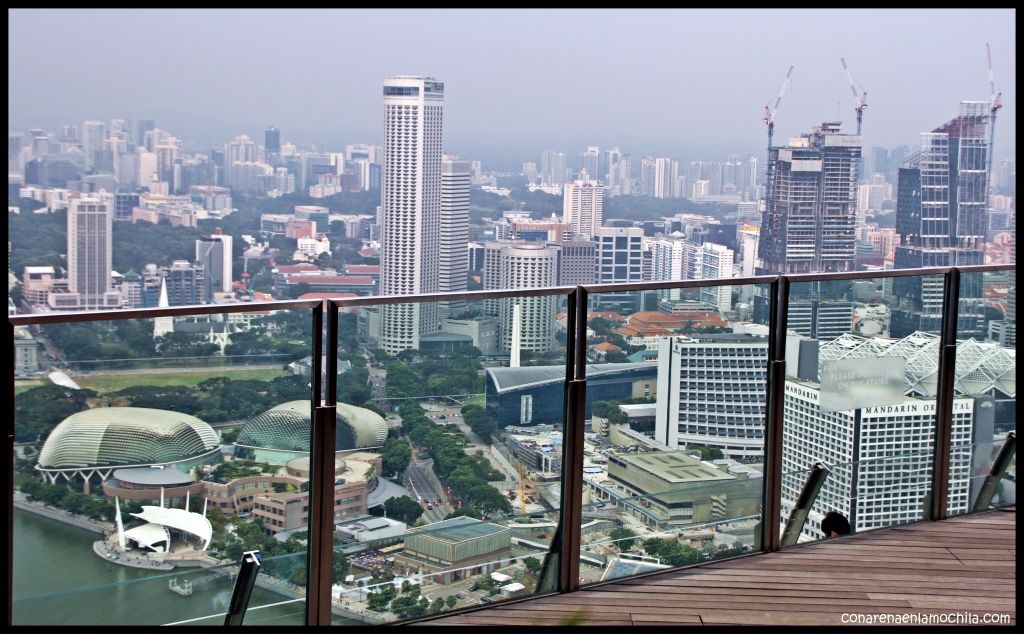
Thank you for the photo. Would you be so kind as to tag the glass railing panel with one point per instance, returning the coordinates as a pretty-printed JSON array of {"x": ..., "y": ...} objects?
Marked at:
[
  {"x": 674, "y": 454},
  {"x": 861, "y": 363},
  {"x": 467, "y": 484},
  {"x": 882, "y": 491},
  {"x": 156, "y": 448},
  {"x": 971, "y": 467},
  {"x": 985, "y": 384}
]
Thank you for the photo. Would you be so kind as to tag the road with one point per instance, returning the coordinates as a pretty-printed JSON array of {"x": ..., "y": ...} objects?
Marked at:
[{"x": 421, "y": 480}]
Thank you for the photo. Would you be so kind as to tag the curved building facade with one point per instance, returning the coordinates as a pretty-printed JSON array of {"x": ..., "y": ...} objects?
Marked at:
[
  {"x": 97, "y": 440},
  {"x": 283, "y": 432}
]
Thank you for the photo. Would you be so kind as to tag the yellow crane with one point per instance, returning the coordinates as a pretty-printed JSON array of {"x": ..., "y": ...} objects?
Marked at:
[{"x": 522, "y": 489}]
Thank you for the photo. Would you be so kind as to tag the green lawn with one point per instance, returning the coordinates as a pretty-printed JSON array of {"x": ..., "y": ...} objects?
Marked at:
[
  {"x": 114, "y": 382},
  {"x": 476, "y": 400},
  {"x": 20, "y": 385}
]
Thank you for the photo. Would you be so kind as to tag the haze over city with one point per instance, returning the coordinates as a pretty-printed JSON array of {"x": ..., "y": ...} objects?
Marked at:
[{"x": 677, "y": 82}]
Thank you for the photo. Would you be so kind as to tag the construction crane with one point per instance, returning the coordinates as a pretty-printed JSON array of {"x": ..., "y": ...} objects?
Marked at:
[
  {"x": 769, "y": 114},
  {"x": 996, "y": 103},
  {"x": 769, "y": 119},
  {"x": 522, "y": 489},
  {"x": 862, "y": 99}
]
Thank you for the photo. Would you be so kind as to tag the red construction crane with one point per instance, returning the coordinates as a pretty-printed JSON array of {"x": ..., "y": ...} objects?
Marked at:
[
  {"x": 862, "y": 99},
  {"x": 996, "y": 104}
]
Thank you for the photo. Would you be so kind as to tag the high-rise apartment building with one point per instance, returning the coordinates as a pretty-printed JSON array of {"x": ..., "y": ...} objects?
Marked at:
[
  {"x": 941, "y": 213},
  {"x": 455, "y": 179},
  {"x": 410, "y": 207},
  {"x": 185, "y": 283},
  {"x": 810, "y": 214},
  {"x": 214, "y": 254},
  {"x": 582, "y": 207}
]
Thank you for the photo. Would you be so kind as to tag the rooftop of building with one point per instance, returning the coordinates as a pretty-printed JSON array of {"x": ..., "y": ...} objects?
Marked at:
[
  {"x": 533, "y": 376},
  {"x": 674, "y": 467},
  {"x": 459, "y": 529}
]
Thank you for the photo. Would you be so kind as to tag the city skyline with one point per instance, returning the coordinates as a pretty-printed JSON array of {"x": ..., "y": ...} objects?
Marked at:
[{"x": 717, "y": 103}]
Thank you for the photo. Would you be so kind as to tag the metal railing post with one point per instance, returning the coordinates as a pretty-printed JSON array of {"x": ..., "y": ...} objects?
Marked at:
[
  {"x": 798, "y": 516},
  {"x": 244, "y": 582},
  {"x": 9, "y": 475},
  {"x": 772, "y": 515},
  {"x": 321, "y": 494},
  {"x": 572, "y": 470},
  {"x": 944, "y": 399}
]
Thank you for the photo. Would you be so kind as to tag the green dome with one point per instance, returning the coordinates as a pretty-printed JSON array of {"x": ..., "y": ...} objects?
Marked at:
[
  {"x": 125, "y": 436},
  {"x": 287, "y": 427}
]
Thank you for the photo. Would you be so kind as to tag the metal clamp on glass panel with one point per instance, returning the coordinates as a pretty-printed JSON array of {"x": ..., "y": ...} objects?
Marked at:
[
  {"x": 243, "y": 587},
  {"x": 999, "y": 467},
  {"x": 798, "y": 516}
]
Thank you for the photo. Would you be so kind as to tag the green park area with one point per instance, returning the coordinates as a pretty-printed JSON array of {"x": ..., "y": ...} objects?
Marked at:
[{"x": 104, "y": 383}]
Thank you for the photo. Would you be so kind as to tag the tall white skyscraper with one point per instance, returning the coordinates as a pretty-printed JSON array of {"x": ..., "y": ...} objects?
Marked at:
[
  {"x": 716, "y": 264},
  {"x": 90, "y": 222},
  {"x": 455, "y": 178},
  {"x": 582, "y": 205},
  {"x": 410, "y": 207}
]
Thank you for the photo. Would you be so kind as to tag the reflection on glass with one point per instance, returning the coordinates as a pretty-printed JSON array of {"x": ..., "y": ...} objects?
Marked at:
[
  {"x": 985, "y": 376},
  {"x": 673, "y": 454},
  {"x": 135, "y": 497},
  {"x": 464, "y": 506},
  {"x": 855, "y": 394}
]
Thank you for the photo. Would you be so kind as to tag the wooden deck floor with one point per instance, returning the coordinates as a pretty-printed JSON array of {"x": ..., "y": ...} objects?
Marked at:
[{"x": 961, "y": 565}]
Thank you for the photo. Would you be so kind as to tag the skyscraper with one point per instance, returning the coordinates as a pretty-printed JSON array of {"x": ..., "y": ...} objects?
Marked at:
[
  {"x": 272, "y": 140},
  {"x": 89, "y": 257},
  {"x": 93, "y": 135},
  {"x": 582, "y": 205},
  {"x": 410, "y": 206},
  {"x": 552, "y": 168},
  {"x": 145, "y": 125},
  {"x": 455, "y": 177},
  {"x": 941, "y": 213},
  {"x": 590, "y": 161},
  {"x": 214, "y": 253},
  {"x": 810, "y": 215}
]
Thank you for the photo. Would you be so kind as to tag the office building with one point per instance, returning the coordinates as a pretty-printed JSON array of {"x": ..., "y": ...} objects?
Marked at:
[
  {"x": 577, "y": 262},
  {"x": 941, "y": 209},
  {"x": 185, "y": 282},
  {"x": 272, "y": 140},
  {"x": 552, "y": 168},
  {"x": 411, "y": 207},
  {"x": 620, "y": 260},
  {"x": 590, "y": 162},
  {"x": 215, "y": 255},
  {"x": 93, "y": 136}
]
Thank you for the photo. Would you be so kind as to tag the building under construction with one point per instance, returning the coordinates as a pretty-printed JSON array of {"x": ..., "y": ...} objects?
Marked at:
[{"x": 811, "y": 209}]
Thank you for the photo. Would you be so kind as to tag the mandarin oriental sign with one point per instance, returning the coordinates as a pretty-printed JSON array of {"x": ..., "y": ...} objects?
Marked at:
[{"x": 858, "y": 382}]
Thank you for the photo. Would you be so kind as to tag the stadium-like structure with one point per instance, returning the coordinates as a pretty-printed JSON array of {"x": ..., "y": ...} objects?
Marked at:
[
  {"x": 283, "y": 432},
  {"x": 97, "y": 441}
]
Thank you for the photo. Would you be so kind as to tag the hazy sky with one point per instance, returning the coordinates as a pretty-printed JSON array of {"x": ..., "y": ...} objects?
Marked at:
[{"x": 684, "y": 83}]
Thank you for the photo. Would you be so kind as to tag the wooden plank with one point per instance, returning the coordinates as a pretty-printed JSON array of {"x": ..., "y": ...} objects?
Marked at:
[{"x": 962, "y": 565}]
